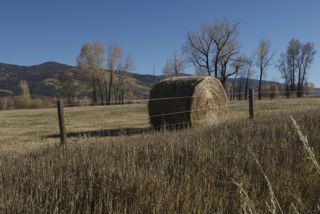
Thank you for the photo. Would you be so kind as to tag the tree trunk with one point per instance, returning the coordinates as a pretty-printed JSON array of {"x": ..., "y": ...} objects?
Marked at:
[
  {"x": 303, "y": 80},
  {"x": 110, "y": 87},
  {"x": 240, "y": 89},
  {"x": 122, "y": 96},
  {"x": 246, "y": 88},
  {"x": 216, "y": 61},
  {"x": 101, "y": 93},
  {"x": 299, "y": 83},
  {"x": 207, "y": 64},
  {"x": 260, "y": 82},
  {"x": 106, "y": 91},
  {"x": 294, "y": 80},
  {"x": 287, "y": 89},
  {"x": 94, "y": 91},
  {"x": 234, "y": 87}
]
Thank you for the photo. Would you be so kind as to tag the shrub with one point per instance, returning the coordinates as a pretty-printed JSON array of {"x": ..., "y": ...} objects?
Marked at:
[
  {"x": 273, "y": 91},
  {"x": 4, "y": 103},
  {"x": 37, "y": 103},
  {"x": 21, "y": 102}
]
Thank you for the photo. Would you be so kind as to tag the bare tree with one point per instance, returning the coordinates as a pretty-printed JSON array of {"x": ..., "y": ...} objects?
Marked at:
[
  {"x": 174, "y": 66},
  {"x": 199, "y": 71},
  {"x": 293, "y": 62},
  {"x": 91, "y": 60},
  {"x": 114, "y": 56},
  {"x": 294, "y": 65},
  {"x": 249, "y": 73},
  {"x": 285, "y": 73},
  {"x": 264, "y": 58},
  {"x": 166, "y": 70},
  {"x": 225, "y": 49},
  {"x": 122, "y": 74},
  {"x": 198, "y": 48},
  {"x": 307, "y": 56},
  {"x": 237, "y": 65},
  {"x": 213, "y": 48}
]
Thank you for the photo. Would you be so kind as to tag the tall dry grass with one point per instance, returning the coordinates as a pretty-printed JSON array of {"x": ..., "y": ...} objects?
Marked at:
[
  {"x": 306, "y": 145},
  {"x": 206, "y": 170}
]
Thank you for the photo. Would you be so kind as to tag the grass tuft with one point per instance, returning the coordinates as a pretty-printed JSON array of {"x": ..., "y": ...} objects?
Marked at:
[{"x": 306, "y": 145}]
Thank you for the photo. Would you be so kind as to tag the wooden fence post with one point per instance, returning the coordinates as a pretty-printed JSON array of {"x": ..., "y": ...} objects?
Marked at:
[
  {"x": 251, "y": 110},
  {"x": 62, "y": 128}
]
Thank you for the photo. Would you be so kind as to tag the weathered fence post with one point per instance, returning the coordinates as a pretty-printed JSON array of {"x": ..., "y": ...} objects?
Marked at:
[
  {"x": 251, "y": 110},
  {"x": 62, "y": 128}
]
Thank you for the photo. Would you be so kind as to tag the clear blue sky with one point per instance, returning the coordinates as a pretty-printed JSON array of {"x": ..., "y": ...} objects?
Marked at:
[{"x": 35, "y": 31}]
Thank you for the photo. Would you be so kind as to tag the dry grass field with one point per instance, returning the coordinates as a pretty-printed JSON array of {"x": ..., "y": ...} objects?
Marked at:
[
  {"x": 237, "y": 166},
  {"x": 25, "y": 130}
]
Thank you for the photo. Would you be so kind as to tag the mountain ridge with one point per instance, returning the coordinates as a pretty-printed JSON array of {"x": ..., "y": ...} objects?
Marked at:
[{"x": 43, "y": 80}]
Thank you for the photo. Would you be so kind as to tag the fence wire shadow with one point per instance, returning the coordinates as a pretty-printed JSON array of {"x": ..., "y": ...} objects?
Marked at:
[{"x": 107, "y": 132}]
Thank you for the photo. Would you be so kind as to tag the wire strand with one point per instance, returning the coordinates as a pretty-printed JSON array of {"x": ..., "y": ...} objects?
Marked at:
[{"x": 129, "y": 102}]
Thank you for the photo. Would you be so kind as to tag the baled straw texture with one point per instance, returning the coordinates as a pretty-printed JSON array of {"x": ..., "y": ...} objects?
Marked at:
[{"x": 180, "y": 102}]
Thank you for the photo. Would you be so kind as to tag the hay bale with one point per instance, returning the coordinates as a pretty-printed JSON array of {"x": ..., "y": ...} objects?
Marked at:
[{"x": 199, "y": 101}]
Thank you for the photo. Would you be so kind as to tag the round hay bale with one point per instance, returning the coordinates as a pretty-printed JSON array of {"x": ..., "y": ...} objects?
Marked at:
[{"x": 180, "y": 102}]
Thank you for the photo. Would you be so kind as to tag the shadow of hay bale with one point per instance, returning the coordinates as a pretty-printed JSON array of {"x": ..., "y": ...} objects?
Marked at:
[{"x": 106, "y": 132}]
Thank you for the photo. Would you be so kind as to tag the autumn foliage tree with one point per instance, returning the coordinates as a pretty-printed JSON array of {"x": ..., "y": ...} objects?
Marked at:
[
  {"x": 113, "y": 65},
  {"x": 24, "y": 88},
  {"x": 91, "y": 63},
  {"x": 273, "y": 91},
  {"x": 107, "y": 77},
  {"x": 24, "y": 100}
]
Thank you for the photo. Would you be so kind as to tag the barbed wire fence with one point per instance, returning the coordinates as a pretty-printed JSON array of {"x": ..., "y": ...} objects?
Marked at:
[
  {"x": 249, "y": 105},
  {"x": 7, "y": 103}
]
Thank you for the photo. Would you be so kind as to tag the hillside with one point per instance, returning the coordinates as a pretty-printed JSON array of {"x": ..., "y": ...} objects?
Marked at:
[
  {"x": 146, "y": 79},
  {"x": 43, "y": 80}
]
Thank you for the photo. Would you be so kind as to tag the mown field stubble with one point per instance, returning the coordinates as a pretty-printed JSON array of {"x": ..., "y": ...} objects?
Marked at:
[{"x": 239, "y": 165}]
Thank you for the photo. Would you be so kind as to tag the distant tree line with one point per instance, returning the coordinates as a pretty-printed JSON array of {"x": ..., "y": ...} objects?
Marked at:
[{"x": 214, "y": 50}]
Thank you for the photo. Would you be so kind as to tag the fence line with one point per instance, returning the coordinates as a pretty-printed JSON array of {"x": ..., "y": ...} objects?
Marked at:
[
  {"x": 51, "y": 104},
  {"x": 75, "y": 106},
  {"x": 177, "y": 125},
  {"x": 162, "y": 98},
  {"x": 181, "y": 112},
  {"x": 199, "y": 108},
  {"x": 100, "y": 105}
]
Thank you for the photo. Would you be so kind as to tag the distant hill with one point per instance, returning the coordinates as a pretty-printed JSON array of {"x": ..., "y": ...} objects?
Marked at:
[
  {"x": 254, "y": 83},
  {"x": 146, "y": 79},
  {"x": 43, "y": 80}
]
